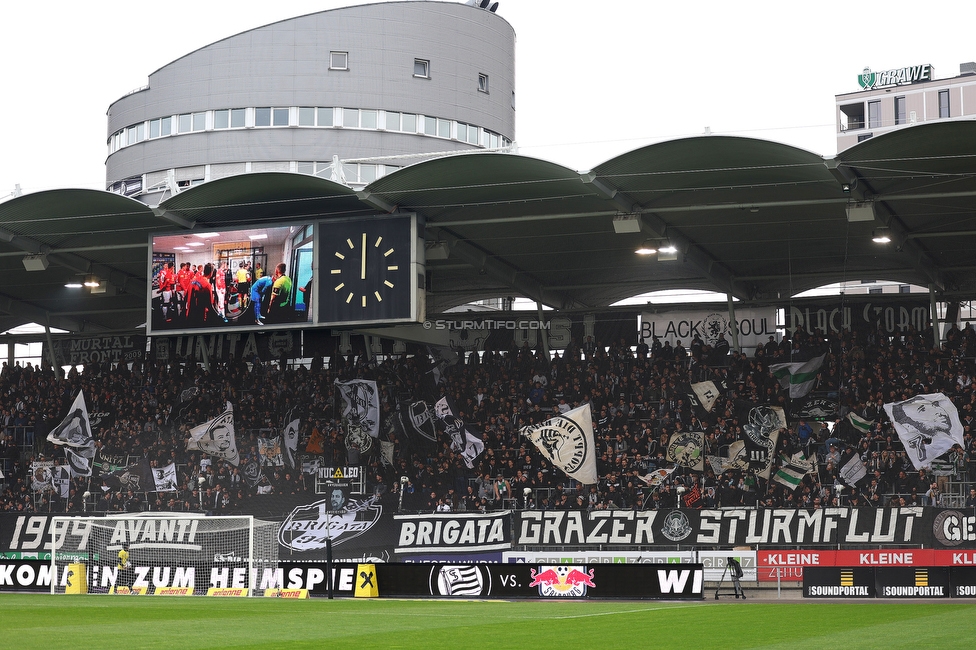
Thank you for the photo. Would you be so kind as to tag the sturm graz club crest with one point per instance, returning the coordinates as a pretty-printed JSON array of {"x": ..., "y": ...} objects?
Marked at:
[
  {"x": 866, "y": 79},
  {"x": 676, "y": 526},
  {"x": 460, "y": 580}
]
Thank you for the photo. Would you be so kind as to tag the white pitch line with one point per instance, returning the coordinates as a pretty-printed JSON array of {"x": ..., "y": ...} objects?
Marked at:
[{"x": 627, "y": 611}]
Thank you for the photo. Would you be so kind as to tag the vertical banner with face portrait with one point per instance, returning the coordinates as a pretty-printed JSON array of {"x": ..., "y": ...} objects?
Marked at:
[
  {"x": 216, "y": 437},
  {"x": 928, "y": 425}
]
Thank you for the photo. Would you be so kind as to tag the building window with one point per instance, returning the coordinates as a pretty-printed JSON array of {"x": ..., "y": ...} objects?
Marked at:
[
  {"x": 408, "y": 123},
  {"x": 339, "y": 61},
  {"x": 904, "y": 288},
  {"x": 421, "y": 68},
  {"x": 430, "y": 125},
  {"x": 392, "y": 121},
  {"x": 324, "y": 116},
  {"x": 875, "y": 290},
  {"x": 280, "y": 117},
  {"x": 943, "y": 103},
  {"x": 900, "y": 112},
  {"x": 367, "y": 119},
  {"x": 222, "y": 119},
  {"x": 443, "y": 128},
  {"x": 237, "y": 118},
  {"x": 483, "y": 82},
  {"x": 199, "y": 121},
  {"x": 865, "y": 136},
  {"x": 185, "y": 123},
  {"x": 306, "y": 116},
  {"x": 874, "y": 115},
  {"x": 262, "y": 116},
  {"x": 852, "y": 117},
  {"x": 350, "y": 118}
]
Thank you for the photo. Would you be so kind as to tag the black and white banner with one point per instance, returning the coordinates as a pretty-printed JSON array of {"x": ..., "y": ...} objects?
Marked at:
[
  {"x": 360, "y": 406},
  {"x": 867, "y": 314},
  {"x": 454, "y": 533},
  {"x": 910, "y": 526},
  {"x": 165, "y": 478},
  {"x": 927, "y": 425},
  {"x": 462, "y": 440},
  {"x": 216, "y": 437},
  {"x": 755, "y": 326},
  {"x": 566, "y": 440}
]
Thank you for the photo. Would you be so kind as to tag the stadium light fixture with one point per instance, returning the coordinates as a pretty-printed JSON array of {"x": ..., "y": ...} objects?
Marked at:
[
  {"x": 881, "y": 236},
  {"x": 647, "y": 248}
]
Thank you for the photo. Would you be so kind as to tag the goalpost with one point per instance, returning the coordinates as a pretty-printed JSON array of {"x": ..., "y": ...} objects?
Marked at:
[{"x": 169, "y": 553}]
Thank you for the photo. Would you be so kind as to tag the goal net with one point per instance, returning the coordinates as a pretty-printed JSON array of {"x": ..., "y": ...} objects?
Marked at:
[{"x": 162, "y": 554}]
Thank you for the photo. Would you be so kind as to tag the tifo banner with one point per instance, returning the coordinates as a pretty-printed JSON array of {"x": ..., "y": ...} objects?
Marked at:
[
  {"x": 755, "y": 326},
  {"x": 454, "y": 532},
  {"x": 915, "y": 526},
  {"x": 714, "y": 562},
  {"x": 238, "y": 345},
  {"x": 96, "y": 349},
  {"x": 862, "y": 314}
]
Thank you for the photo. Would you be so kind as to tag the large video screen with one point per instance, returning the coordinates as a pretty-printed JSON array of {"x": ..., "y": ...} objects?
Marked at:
[{"x": 259, "y": 278}]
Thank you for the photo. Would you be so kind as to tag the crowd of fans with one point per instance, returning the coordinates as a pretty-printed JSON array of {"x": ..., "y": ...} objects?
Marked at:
[{"x": 638, "y": 398}]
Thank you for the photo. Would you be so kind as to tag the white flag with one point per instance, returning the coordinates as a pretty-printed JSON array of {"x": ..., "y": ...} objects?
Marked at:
[
  {"x": 658, "y": 476},
  {"x": 798, "y": 377},
  {"x": 164, "y": 478},
  {"x": 289, "y": 439},
  {"x": 75, "y": 428},
  {"x": 707, "y": 393},
  {"x": 928, "y": 426},
  {"x": 216, "y": 437},
  {"x": 360, "y": 405},
  {"x": 566, "y": 440}
]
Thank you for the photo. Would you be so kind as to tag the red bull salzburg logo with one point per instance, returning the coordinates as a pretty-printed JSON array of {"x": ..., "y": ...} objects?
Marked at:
[{"x": 562, "y": 581}]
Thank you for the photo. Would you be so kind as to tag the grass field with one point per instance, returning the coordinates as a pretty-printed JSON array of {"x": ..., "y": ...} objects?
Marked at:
[{"x": 49, "y": 622}]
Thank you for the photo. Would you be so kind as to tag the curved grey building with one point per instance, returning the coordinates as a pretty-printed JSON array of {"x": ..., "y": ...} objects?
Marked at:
[{"x": 348, "y": 94}]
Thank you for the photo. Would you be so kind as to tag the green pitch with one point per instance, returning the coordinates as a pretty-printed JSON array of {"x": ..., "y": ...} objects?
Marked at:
[{"x": 49, "y": 622}]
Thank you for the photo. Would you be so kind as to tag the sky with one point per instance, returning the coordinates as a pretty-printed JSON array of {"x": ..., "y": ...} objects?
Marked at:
[{"x": 593, "y": 79}]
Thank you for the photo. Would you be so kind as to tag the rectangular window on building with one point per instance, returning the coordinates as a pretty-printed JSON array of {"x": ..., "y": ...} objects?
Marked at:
[
  {"x": 865, "y": 136},
  {"x": 222, "y": 119},
  {"x": 443, "y": 128},
  {"x": 392, "y": 121},
  {"x": 306, "y": 116},
  {"x": 350, "y": 118},
  {"x": 130, "y": 135},
  {"x": 421, "y": 68},
  {"x": 482, "y": 83},
  {"x": 943, "y": 103},
  {"x": 473, "y": 136},
  {"x": 339, "y": 61},
  {"x": 367, "y": 173},
  {"x": 154, "y": 129},
  {"x": 305, "y": 168},
  {"x": 324, "y": 116},
  {"x": 875, "y": 290},
  {"x": 874, "y": 115},
  {"x": 367, "y": 119},
  {"x": 237, "y": 118},
  {"x": 430, "y": 125},
  {"x": 199, "y": 121},
  {"x": 904, "y": 288},
  {"x": 462, "y": 132},
  {"x": 165, "y": 126},
  {"x": 262, "y": 116},
  {"x": 408, "y": 123},
  {"x": 901, "y": 115},
  {"x": 280, "y": 117},
  {"x": 185, "y": 123}
]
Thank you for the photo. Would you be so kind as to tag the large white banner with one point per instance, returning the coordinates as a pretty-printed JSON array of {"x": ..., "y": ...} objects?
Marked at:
[
  {"x": 928, "y": 426},
  {"x": 755, "y": 326}
]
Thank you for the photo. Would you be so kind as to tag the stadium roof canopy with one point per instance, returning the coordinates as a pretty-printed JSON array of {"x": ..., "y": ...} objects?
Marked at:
[{"x": 761, "y": 220}]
